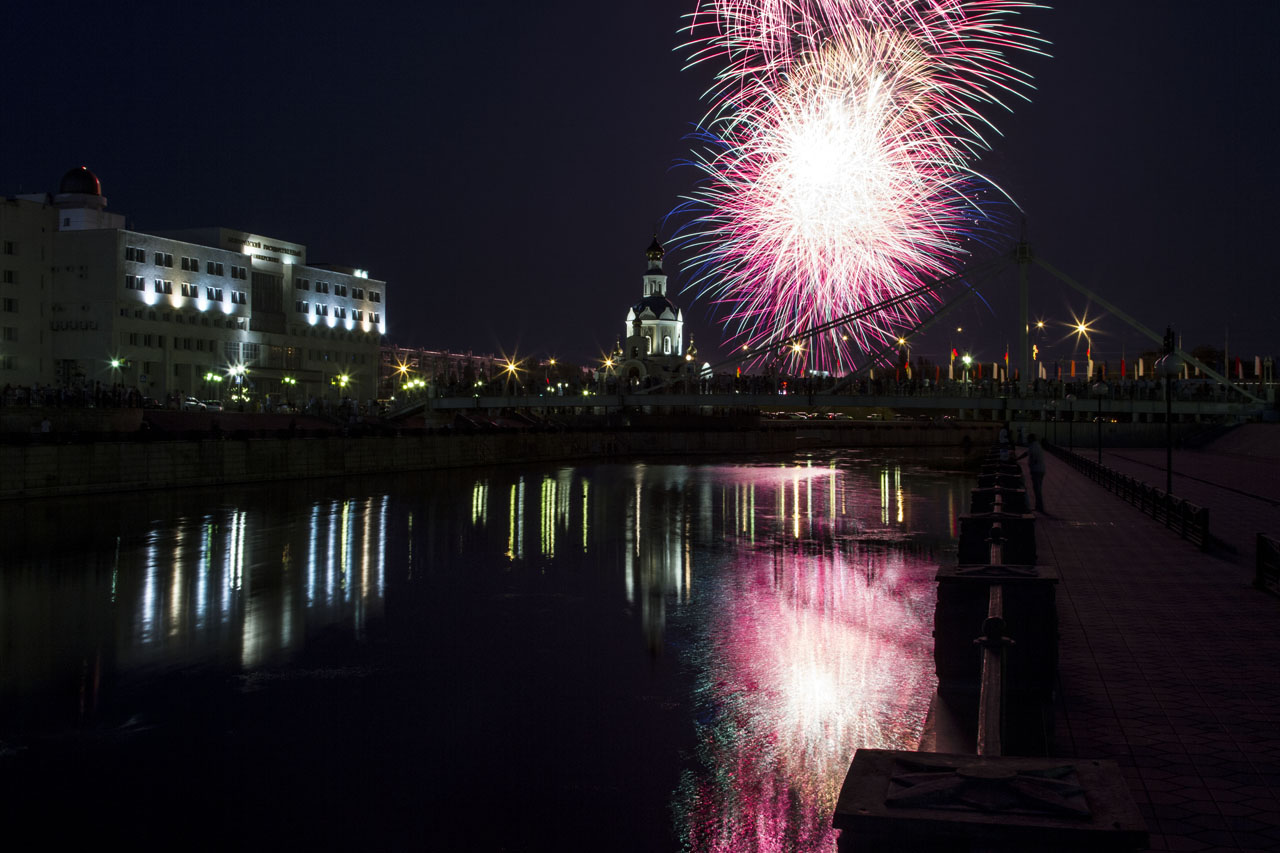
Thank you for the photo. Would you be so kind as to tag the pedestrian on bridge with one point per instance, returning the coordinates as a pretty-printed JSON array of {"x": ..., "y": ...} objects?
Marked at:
[{"x": 1035, "y": 464}]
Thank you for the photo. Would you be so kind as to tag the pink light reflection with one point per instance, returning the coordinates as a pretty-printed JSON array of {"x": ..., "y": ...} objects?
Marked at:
[{"x": 813, "y": 656}]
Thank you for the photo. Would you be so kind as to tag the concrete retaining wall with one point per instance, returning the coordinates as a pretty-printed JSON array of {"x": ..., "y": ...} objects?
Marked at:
[{"x": 51, "y": 469}]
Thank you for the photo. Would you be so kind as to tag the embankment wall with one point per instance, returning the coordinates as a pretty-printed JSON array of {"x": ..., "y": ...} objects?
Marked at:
[{"x": 49, "y": 469}]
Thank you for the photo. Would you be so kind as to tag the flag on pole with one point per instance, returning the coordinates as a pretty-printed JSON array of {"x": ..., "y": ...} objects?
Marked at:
[{"x": 1123, "y": 374}]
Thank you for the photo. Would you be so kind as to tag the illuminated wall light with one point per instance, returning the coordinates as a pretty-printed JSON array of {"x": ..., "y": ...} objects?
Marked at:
[
  {"x": 149, "y": 297},
  {"x": 331, "y": 321},
  {"x": 349, "y": 323},
  {"x": 311, "y": 319}
]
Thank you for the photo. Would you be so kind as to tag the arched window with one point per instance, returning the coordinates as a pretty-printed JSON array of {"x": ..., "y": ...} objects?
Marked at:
[
  {"x": 666, "y": 345},
  {"x": 648, "y": 345}
]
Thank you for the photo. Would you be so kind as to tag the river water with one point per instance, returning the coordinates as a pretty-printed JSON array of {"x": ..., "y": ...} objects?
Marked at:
[{"x": 603, "y": 656}]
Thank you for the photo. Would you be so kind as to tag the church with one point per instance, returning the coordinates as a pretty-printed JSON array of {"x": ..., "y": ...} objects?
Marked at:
[{"x": 652, "y": 350}]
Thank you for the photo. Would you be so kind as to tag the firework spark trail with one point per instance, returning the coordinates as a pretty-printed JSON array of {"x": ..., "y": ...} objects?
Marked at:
[{"x": 838, "y": 158}]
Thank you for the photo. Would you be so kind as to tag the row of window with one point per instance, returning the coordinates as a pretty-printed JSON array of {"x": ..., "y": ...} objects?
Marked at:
[
  {"x": 192, "y": 319},
  {"x": 192, "y": 291},
  {"x": 338, "y": 289},
  {"x": 340, "y": 312},
  {"x": 163, "y": 259},
  {"x": 330, "y": 355}
]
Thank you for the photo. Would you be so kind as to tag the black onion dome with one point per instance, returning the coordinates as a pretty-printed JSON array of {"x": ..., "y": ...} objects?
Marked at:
[
  {"x": 655, "y": 303},
  {"x": 81, "y": 181},
  {"x": 655, "y": 250}
]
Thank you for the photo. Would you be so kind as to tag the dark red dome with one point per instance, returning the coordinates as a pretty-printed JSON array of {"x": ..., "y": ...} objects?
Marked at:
[{"x": 80, "y": 180}]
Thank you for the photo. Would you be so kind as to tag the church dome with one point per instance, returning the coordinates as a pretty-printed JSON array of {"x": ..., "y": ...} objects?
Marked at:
[
  {"x": 655, "y": 303},
  {"x": 80, "y": 181}
]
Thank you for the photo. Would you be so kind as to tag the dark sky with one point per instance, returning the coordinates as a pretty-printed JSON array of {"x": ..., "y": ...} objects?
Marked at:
[{"x": 503, "y": 164}]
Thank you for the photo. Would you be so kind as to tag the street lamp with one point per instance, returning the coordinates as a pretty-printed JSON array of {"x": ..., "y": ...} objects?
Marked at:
[
  {"x": 1099, "y": 390},
  {"x": 1082, "y": 330}
]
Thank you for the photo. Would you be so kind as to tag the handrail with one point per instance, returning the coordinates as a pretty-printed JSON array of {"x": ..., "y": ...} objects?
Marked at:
[{"x": 1189, "y": 520}]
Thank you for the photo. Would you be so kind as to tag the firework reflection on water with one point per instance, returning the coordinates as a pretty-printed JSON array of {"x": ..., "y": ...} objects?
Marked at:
[{"x": 816, "y": 645}]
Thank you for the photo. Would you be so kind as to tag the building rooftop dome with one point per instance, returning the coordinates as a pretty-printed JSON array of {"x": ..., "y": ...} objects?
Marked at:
[
  {"x": 80, "y": 180},
  {"x": 657, "y": 304},
  {"x": 655, "y": 250}
]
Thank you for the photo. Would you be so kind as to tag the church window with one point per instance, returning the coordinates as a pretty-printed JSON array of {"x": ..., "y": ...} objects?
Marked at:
[{"x": 666, "y": 345}]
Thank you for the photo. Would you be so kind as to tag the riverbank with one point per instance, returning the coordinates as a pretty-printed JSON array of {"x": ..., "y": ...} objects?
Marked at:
[{"x": 53, "y": 466}]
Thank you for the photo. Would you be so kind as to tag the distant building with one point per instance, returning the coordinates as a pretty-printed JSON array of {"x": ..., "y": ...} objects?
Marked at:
[
  {"x": 212, "y": 312},
  {"x": 416, "y": 370},
  {"x": 653, "y": 349}
]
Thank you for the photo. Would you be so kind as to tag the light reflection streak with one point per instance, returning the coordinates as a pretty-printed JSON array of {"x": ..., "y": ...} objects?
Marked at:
[
  {"x": 146, "y": 609},
  {"x": 312, "y": 580},
  {"x": 897, "y": 483},
  {"x": 547, "y": 518},
  {"x": 480, "y": 502},
  {"x": 202, "y": 594},
  {"x": 330, "y": 563},
  {"x": 586, "y": 514},
  {"x": 176, "y": 587},
  {"x": 344, "y": 552}
]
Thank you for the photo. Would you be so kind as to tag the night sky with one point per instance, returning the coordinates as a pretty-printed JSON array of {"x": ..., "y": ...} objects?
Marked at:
[{"x": 503, "y": 164}]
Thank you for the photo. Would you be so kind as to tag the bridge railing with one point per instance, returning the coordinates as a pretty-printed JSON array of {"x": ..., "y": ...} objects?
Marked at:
[
  {"x": 1191, "y": 521},
  {"x": 1267, "y": 573}
]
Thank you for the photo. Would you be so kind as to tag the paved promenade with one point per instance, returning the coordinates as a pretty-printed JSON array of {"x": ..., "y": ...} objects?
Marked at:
[
  {"x": 1170, "y": 660},
  {"x": 1237, "y": 477}
]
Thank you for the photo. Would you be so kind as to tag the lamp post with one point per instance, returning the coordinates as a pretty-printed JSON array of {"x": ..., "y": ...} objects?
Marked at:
[
  {"x": 1099, "y": 390},
  {"x": 1168, "y": 366}
]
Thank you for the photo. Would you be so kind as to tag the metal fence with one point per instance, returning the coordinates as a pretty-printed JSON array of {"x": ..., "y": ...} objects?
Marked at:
[{"x": 1189, "y": 520}]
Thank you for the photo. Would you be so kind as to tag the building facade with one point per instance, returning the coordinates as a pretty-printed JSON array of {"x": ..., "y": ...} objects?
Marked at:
[
  {"x": 409, "y": 372},
  {"x": 211, "y": 313},
  {"x": 653, "y": 348}
]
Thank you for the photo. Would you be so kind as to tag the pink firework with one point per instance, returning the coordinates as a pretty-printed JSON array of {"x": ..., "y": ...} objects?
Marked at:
[{"x": 839, "y": 160}]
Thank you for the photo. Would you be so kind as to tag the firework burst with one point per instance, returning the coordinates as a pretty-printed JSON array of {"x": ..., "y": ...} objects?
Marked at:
[{"x": 838, "y": 159}]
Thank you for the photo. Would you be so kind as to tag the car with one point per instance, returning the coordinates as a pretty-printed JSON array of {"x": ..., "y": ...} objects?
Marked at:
[
  {"x": 213, "y": 405},
  {"x": 191, "y": 404}
]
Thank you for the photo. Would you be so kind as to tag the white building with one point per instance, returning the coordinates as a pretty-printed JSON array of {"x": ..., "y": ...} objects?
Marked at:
[
  {"x": 211, "y": 312},
  {"x": 654, "y": 333}
]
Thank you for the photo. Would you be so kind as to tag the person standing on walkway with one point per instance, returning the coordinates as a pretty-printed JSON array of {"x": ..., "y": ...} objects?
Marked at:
[{"x": 1035, "y": 463}]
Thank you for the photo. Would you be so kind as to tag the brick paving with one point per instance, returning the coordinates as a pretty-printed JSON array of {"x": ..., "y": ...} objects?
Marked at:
[
  {"x": 1170, "y": 664},
  {"x": 1238, "y": 477}
]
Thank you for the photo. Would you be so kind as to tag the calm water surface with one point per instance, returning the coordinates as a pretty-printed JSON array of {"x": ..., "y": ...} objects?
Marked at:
[{"x": 603, "y": 656}]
